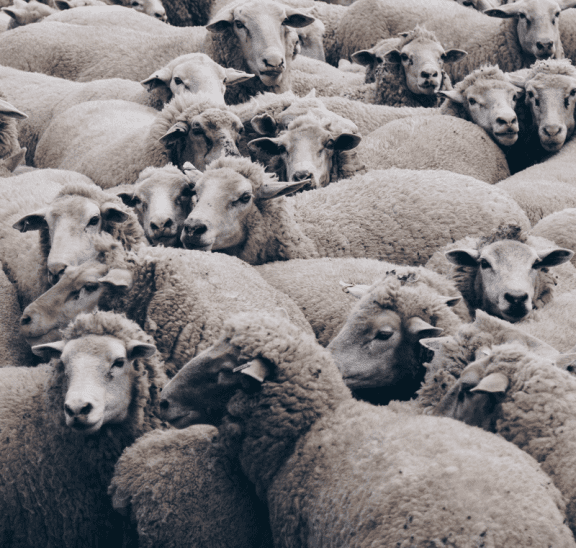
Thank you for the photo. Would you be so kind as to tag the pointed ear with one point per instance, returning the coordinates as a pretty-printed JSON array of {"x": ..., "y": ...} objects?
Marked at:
[
  {"x": 118, "y": 278},
  {"x": 453, "y": 95},
  {"x": 435, "y": 343},
  {"x": 297, "y": 19},
  {"x": 130, "y": 199},
  {"x": 139, "y": 349},
  {"x": 161, "y": 77},
  {"x": 11, "y": 111},
  {"x": 222, "y": 20},
  {"x": 191, "y": 173},
  {"x": 14, "y": 160},
  {"x": 264, "y": 124},
  {"x": 454, "y": 55},
  {"x": 16, "y": 14},
  {"x": 493, "y": 383},
  {"x": 451, "y": 301},
  {"x": 49, "y": 350},
  {"x": 279, "y": 188},
  {"x": 518, "y": 79},
  {"x": 554, "y": 258},
  {"x": 392, "y": 57},
  {"x": 33, "y": 221},
  {"x": 267, "y": 144},
  {"x": 177, "y": 132},
  {"x": 364, "y": 57},
  {"x": 63, "y": 5},
  {"x": 503, "y": 12},
  {"x": 356, "y": 290},
  {"x": 463, "y": 257},
  {"x": 345, "y": 141},
  {"x": 234, "y": 76},
  {"x": 566, "y": 361},
  {"x": 418, "y": 327},
  {"x": 256, "y": 369},
  {"x": 111, "y": 213}
]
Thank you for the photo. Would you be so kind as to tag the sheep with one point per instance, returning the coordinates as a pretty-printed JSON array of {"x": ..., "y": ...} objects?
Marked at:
[
  {"x": 181, "y": 13},
  {"x": 64, "y": 425},
  {"x": 511, "y": 44},
  {"x": 25, "y": 13},
  {"x": 558, "y": 228},
  {"x": 505, "y": 273},
  {"x": 405, "y": 226},
  {"x": 179, "y": 297},
  {"x": 373, "y": 57},
  {"x": 84, "y": 53},
  {"x": 181, "y": 491},
  {"x": 69, "y": 211},
  {"x": 113, "y": 141},
  {"x": 526, "y": 399},
  {"x": 9, "y": 116},
  {"x": 309, "y": 448},
  {"x": 153, "y": 8},
  {"x": 434, "y": 142},
  {"x": 162, "y": 199}
]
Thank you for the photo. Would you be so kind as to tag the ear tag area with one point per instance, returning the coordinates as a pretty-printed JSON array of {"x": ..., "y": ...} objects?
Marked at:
[{"x": 255, "y": 369}]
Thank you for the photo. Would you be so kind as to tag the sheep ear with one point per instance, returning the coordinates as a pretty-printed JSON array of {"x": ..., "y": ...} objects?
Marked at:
[
  {"x": 49, "y": 350},
  {"x": 565, "y": 4},
  {"x": 392, "y": 57},
  {"x": 130, "y": 199},
  {"x": 345, "y": 141},
  {"x": 451, "y": 301},
  {"x": 118, "y": 278},
  {"x": 356, "y": 290},
  {"x": 33, "y": 221},
  {"x": 267, "y": 144},
  {"x": 517, "y": 80},
  {"x": 463, "y": 257},
  {"x": 364, "y": 57},
  {"x": 160, "y": 78},
  {"x": 256, "y": 369},
  {"x": 63, "y": 5},
  {"x": 14, "y": 160},
  {"x": 503, "y": 12},
  {"x": 418, "y": 327},
  {"x": 554, "y": 258},
  {"x": 191, "y": 173},
  {"x": 222, "y": 20},
  {"x": 11, "y": 111},
  {"x": 493, "y": 383},
  {"x": 111, "y": 213},
  {"x": 453, "y": 95},
  {"x": 297, "y": 19},
  {"x": 139, "y": 349},
  {"x": 234, "y": 76},
  {"x": 454, "y": 55},
  {"x": 264, "y": 124},
  {"x": 177, "y": 132},
  {"x": 435, "y": 343},
  {"x": 566, "y": 361},
  {"x": 276, "y": 189},
  {"x": 16, "y": 14}
]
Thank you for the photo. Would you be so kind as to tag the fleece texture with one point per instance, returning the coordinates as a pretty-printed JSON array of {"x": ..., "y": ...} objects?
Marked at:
[
  {"x": 339, "y": 472},
  {"x": 435, "y": 142},
  {"x": 54, "y": 480},
  {"x": 314, "y": 285},
  {"x": 558, "y": 227},
  {"x": 181, "y": 491}
]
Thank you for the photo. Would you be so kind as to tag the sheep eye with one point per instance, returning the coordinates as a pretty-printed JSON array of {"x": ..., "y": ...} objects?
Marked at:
[
  {"x": 239, "y": 25},
  {"x": 537, "y": 102},
  {"x": 119, "y": 362},
  {"x": 484, "y": 264},
  {"x": 90, "y": 287},
  {"x": 197, "y": 129},
  {"x": 178, "y": 81},
  {"x": 245, "y": 198},
  {"x": 472, "y": 101},
  {"x": 74, "y": 296},
  {"x": 94, "y": 220},
  {"x": 383, "y": 335},
  {"x": 572, "y": 93},
  {"x": 135, "y": 4}
]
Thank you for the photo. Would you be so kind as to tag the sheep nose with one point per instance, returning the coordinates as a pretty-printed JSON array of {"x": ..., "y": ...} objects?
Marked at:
[
  {"x": 77, "y": 408},
  {"x": 159, "y": 224},
  {"x": 160, "y": 14},
  {"x": 301, "y": 175},
  {"x": 516, "y": 298},
  {"x": 194, "y": 227},
  {"x": 273, "y": 60},
  {"x": 552, "y": 130},
  {"x": 25, "y": 320},
  {"x": 230, "y": 149},
  {"x": 164, "y": 404},
  {"x": 545, "y": 45},
  {"x": 506, "y": 120},
  {"x": 55, "y": 271},
  {"x": 425, "y": 74}
]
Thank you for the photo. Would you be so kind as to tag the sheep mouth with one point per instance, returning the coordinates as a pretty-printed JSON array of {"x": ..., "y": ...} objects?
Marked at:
[
  {"x": 166, "y": 241},
  {"x": 51, "y": 336},
  {"x": 85, "y": 428},
  {"x": 271, "y": 77},
  {"x": 196, "y": 247},
  {"x": 188, "y": 419},
  {"x": 515, "y": 314},
  {"x": 429, "y": 88},
  {"x": 552, "y": 146},
  {"x": 506, "y": 137}
]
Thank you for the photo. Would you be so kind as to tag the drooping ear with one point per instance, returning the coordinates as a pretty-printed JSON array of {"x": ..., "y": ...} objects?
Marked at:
[
  {"x": 267, "y": 144},
  {"x": 118, "y": 277},
  {"x": 264, "y": 124},
  {"x": 554, "y": 257},
  {"x": 139, "y": 349},
  {"x": 63, "y": 5},
  {"x": 222, "y": 20},
  {"x": 454, "y": 55},
  {"x": 11, "y": 111},
  {"x": 49, "y": 350},
  {"x": 503, "y": 12},
  {"x": 364, "y": 57},
  {"x": 493, "y": 383},
  {"x": 565, "y": 4},
  {"x": 419, "y": 328},
  {"x": 297, "y": 19},
  {"x": 33, "y": 221},
  {"x": 17, "y": 14},
  {"x": 14, "y": 160},
  {"x": 191, "y": 173},
  {"x": 451, "y": 301},
  {"x": 356, "y": 290},
  {"x": 256, "y": 369},
  {"x": 161, "y": 77},
  {"x": 392, "y": 57},
  {"x": 176, "y": 133},
  {"x": 275, "y": 189},
  {"x": 453, "y": 95},
  {"x": 344, "y": 141},
  {"x": 111, "y": 213},
  {"x": 129, "y": 198},
  {"x": 234, "y": 76},
  {"x": 519, "y": 79},
  {"x": 435, "y": 343},
  {"x": 463, "y": 257}
]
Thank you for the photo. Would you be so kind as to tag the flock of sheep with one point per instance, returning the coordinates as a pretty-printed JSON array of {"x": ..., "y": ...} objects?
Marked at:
[{"x": 288, "y": 273}]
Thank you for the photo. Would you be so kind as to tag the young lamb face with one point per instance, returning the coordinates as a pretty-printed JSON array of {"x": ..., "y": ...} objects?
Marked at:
[
  {"x": 307, "y": 151},
  {"x": 506, "y": 275},
  {"x": 262, "y": 31},
  {"x": 153, "y": 8},
  {"x": 71, "y": 222},
  {"x": 162, "y": 200},
  {"x": 78, "y": 290},
  {"x": 100, "y": 378}
]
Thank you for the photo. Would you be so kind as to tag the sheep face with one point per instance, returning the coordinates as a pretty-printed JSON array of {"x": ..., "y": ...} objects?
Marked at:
[
  {"x": 162, "y": 199},
  {"x": 537, "y": 27},
  {"x": 153, "y": 8},
  {"x": 263, "y": 34},
  {"x": 100, "y": 376},
  {"x": 25, "y": 13},
  {"x": 506, "y": 274},
  {"x": 490, "y": 104},
  {"x": 68, "y": 227},
  {"x": 307, "y": 152}
]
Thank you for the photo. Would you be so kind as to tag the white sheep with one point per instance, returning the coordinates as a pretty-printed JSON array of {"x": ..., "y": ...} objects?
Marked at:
[
  {"x": 558, "y": 227},
  {"x": 335, "y": 471},
  {"x": 397, "y": 215},
  {"x": 113, "y": 141},
  {"x": 64, "y": 425},
  {"x": 22, "y": 13},
  {"x": 9, "y": 116}
]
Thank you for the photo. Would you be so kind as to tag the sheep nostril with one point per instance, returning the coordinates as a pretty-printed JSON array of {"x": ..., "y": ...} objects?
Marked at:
[
  {"x": 25, "y": 320},
  {"x": 164, "y": 404},
  {"x": 153, "y": 226}
]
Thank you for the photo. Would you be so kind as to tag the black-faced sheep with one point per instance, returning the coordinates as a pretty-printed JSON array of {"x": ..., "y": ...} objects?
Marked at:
[
  {"x": 397, "y": 215},
  {"x": 113, "y": 141},
  {"x": 335, "y": 471},
  {"x": 64, "y": 425}
]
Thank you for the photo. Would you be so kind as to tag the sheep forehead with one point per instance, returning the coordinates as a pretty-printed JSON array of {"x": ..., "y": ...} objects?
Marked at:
[
  {"x": 197, "y": 71},
  {"x": 370, "y": 317},
  {"x": 75, "y": 277},
  {"x": 72, "y": 207},
  {"x": 546, "y": 82},
  {"x": 170, "y": 184},
  {"x": 423, "y": 46},
  {"x": 105, "y": 347},
  {"x": 304, "y": 136},
  {"x": 509, "y": 254},
  {"x": 485, "y": 87},
  {"x": 253, "y": 11},
  {"x": 223, "y": 182},
  {"x": 214, "y": 119},
  {"x": 539, "y": 8}
]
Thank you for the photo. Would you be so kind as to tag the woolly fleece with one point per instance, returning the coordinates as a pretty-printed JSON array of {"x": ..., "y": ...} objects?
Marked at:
[{"x": 560, "y": 228}]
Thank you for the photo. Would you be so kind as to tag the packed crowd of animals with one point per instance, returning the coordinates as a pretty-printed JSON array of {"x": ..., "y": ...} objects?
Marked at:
[{"x": 287, "y": 274}]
